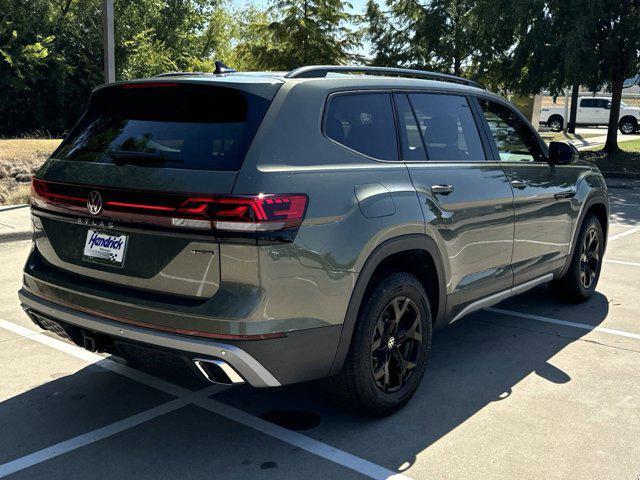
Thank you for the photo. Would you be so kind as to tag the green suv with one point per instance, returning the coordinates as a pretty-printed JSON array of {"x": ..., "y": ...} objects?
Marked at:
[{"x": 275, "y": 228}]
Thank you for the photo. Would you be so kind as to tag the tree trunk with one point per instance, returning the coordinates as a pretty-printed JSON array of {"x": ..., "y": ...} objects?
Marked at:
[
  {"x": 611, "y": 145},
  {"x": 575, "y": 90}
]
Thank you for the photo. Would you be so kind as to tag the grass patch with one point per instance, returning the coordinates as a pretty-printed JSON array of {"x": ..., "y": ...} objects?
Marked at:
[
  {"x": 561, "y": 137},
  {"x": 19, "y": 160},
  {"x": 626, "y": 162}
]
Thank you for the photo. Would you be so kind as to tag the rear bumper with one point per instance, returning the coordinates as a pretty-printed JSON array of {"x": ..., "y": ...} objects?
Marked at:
[
  {"x": 297, "y": 356},
  {"x": 247, "y": 366}
]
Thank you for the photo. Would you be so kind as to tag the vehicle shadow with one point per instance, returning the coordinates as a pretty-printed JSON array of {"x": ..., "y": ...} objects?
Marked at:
[{"x": 475, "y": 362}]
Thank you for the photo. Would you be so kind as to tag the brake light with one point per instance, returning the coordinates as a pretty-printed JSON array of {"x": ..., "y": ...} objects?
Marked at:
[
  {"x": 259, "y": 213},
  {"x": 224, "y": 213},
  {"x": 41, "y": 194}
]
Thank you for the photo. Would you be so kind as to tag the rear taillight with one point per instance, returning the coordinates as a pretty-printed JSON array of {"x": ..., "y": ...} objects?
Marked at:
[
  {"x": 258, "y": 213},
  {"x": 224, "y": 213}
]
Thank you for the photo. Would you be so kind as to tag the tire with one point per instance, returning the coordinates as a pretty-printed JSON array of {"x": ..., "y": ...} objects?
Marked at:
[
  {"x": 375, "y": 344},
  {"x": 580, "y": 281},
  {"x": 555, "y": 123},
  {"x": 627, "y": 126}
]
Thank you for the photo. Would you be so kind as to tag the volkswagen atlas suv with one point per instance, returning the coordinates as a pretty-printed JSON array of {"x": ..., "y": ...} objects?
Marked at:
[{"x": 275, "y": 228}]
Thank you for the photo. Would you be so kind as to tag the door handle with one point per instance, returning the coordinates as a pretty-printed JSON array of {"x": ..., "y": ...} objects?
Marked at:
[
  {"x": 441, "y": 189},
  {"x": 518, "y": 183},
  {"x": 564, "y": 195}
]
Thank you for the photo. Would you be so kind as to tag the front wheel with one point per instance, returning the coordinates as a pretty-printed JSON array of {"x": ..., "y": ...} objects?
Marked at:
[
  {"x": 580, "y": 281},
  {"x": 388, "y": 353},
  {"x": 556, "y": 123}
]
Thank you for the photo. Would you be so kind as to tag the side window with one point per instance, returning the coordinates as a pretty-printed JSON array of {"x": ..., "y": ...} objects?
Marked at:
[
  {"x": 363, "y": 122},
  {"x": 587, "y": 103},
  {"x": 602, "y": 103},
  {"x": 515, "y": 141},
  {"x": 410, "y": 137},
  {"x": 448, "y": 129}
]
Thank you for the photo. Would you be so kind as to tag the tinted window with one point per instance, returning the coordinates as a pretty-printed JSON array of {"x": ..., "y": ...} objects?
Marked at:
[
  {"x": 179, "y": 126},
  {"x": 447, "y": 126},
  {"x": 410, "y": 137},
  {"x": 364, "y": 123},
  {"x": 514, "y": 139},
  {"x": 604, "y": 104},
  {"x": 587, "y": 102}
]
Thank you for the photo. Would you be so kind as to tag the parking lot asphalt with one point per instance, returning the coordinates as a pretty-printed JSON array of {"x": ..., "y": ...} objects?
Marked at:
[{"x": 532, "y": 388}]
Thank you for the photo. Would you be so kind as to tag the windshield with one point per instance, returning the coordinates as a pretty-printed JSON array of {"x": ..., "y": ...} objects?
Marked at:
[{"x": 174, "y": 126}]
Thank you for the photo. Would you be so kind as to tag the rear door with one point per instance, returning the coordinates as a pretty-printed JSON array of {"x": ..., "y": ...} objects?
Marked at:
[
  {"x": 124, "y": 199},
  {"x": 542, "y": 192},
  {"x": 467, "y": 200},
  {"x": 590, "y": 111}
]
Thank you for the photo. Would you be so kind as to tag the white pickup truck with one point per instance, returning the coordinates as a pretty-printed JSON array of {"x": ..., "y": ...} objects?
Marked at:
[{"x": 593, "y": 111}]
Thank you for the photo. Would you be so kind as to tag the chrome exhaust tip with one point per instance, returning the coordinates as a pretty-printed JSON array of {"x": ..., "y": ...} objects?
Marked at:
[{"x": 218, "y": 371}]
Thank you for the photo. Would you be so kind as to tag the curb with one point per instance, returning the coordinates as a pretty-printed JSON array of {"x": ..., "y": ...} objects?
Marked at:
[{"x": 15, "y": 236}]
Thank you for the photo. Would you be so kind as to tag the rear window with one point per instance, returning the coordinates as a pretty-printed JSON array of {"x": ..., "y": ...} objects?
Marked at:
[
  {"x": 167, "y": 125},
  {"x": 363, "y": 122},
  {"x": 447, "y": 126}
]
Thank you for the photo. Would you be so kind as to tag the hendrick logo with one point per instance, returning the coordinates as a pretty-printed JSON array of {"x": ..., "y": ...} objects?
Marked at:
[
  {"x": 94, "y": 203},
  {"x": 97, "y": 240}
]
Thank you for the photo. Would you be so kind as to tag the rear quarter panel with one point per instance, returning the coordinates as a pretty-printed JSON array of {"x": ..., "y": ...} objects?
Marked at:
[{"x": 355, "y": 202}]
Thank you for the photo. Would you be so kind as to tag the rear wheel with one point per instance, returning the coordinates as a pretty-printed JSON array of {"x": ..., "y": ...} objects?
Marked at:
[
  {"x": 389, "y": 348},
  {"x": 628, "y": 126},
  {"x": 580, "y": 281}
]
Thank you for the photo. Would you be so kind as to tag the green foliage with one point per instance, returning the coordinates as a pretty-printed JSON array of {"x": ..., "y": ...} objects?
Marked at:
[
  {"x": 51, "y": 52},
  {"x": 301, "y": 32},
  {"x": 573, "y": 42},
  {"x": 440, "y": 35}
]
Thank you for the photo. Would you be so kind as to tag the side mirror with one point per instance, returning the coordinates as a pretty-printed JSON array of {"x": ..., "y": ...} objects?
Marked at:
[
  {"x": 608, "y": 106},
  {"x": 562, "y": 153}
]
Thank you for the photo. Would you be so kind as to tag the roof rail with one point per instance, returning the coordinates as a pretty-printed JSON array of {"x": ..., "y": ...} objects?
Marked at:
[{"x": 318, "y": 71}]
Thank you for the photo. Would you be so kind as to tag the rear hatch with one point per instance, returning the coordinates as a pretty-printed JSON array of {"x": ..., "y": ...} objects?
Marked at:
[{"x": 133, "y": 195}]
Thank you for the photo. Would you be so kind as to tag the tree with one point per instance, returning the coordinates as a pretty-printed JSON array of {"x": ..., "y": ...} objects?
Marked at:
[
  {"x": 570, "y": 42},
  {"x": 302, "y": 32},
  {"x": 453, "y": 36},
  {"x": 387, "y": 42},
  {"x": 51, "y": 52},
  {"x": 553, "y": 50},
  {"x": 616, "y": 36}
]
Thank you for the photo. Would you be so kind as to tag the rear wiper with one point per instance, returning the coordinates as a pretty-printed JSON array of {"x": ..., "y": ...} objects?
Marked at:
[{"x": 122, "y": 157}]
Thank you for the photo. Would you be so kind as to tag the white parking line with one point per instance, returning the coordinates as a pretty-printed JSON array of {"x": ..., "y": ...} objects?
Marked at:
[
  {"x": 94, "y": 358},
  {"x": 627, "y": 225},
  {"x": 626, "y": 233},
  {"x": 185, "y": 397},
  {"x": 622, "y": 262},
  {"x": 624, "y": 204},
  {"x": 89, "y": 437},
  {"x": 565, "y": 323},
  {"x": 309, "y": 444}
]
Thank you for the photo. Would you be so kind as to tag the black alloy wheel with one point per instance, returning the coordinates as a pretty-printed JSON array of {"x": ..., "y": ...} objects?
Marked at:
[
  {"x": 395, "y": 344},
  {"x": 589, "y": 257}
]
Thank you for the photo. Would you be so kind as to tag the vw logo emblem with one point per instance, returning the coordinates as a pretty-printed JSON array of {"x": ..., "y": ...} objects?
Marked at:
[{"x": 94, "y": 203}]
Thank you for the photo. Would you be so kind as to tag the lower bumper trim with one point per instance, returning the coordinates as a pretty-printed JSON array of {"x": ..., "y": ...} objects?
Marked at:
[{"x": 247, "y": 366}]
